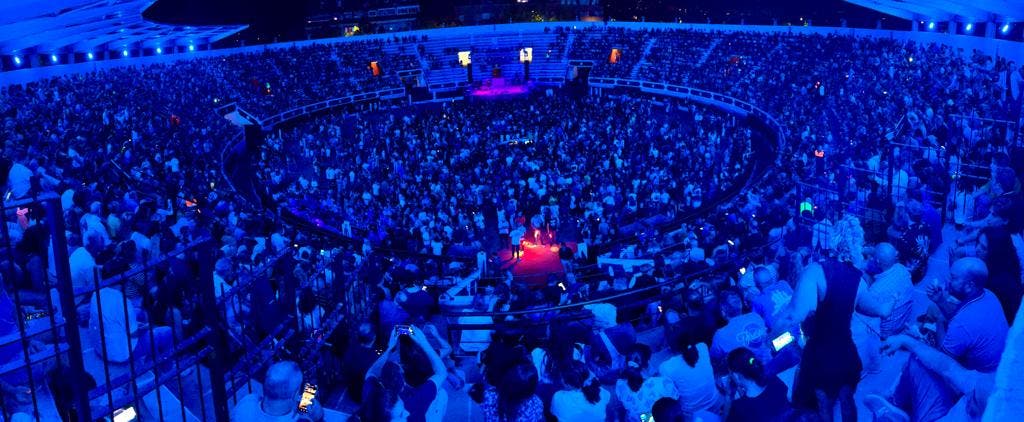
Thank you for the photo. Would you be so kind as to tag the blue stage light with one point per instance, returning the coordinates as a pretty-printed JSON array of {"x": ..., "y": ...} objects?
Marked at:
[
  {"x": 968, "y": 28},
  {"x": 124, "y": 53},
  {"x": 89, "y": 56},
  {"x": 191, "y": 47},
  {"x": 159, "y": 50},
  {"x": 1006, "y": 28},
  {"x": 931, "y": 25},
  {"x": 17, "y": 61},
  {"x": 54, "y": 58}
]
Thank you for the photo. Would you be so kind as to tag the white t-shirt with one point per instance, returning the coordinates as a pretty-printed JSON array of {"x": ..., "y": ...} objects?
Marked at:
[
  {"x": 82, "y": 265},
  {"x": 696, "y": 385},
  {"x": 19, "y": 180},
  {"x": 573, "y": 406},
  {"x": 248, "y": 409}
]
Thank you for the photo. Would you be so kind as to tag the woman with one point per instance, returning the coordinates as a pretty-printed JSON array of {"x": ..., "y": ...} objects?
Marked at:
[
  {"x": 691, "y": 372},
  {"x": 830, "y": 367},
  {"x": 381, "y": 400},
  {"x": 638, "y": 395},
  {"x": 583, "y": 399},
  {"x": 995, "y": 246},
  {"x": 756, "y": 396},
  {"x": 423, "y": 373},
  {"x": 513, "y": 400}
]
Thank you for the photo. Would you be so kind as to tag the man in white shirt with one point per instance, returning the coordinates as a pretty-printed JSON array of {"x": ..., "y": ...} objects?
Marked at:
[
  {"x": 282, "y": 391},
  {"x": 83, "y": 263}
]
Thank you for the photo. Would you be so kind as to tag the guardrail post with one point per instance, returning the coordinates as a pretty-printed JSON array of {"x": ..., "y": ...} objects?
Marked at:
[
  {"x": 218, "y": 339},
  {"x": 55, "y": 217}
]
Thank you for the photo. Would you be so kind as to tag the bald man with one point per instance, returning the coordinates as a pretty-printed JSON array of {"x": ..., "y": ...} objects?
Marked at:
[
  {"x": 975, "y": 338},
  {"x": 893, "y": 284},
  {"x": 282, "y": 391}
]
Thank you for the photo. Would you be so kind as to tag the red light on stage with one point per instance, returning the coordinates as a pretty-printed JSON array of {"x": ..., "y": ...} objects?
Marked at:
[{"x": 375, "y": 68}]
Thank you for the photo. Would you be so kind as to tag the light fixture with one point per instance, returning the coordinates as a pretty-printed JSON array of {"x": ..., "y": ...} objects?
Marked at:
[
  {"x": 1006, "y": 28},
  {"x": 17, "y": 61},
  {"x": 931, "y": 25},
  {"x": 191, "y": 47},
  {"x": 969, "y": 27},
  {"x": 54, "y": 58},
  {"x": 89, "y": 55},
  {"x": 124, "y": 53},
  {"x": 159, "y": 50}
]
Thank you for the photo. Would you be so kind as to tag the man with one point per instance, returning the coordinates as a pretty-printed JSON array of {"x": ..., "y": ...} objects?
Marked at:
[
  {"x": 773, "y": 297},
  {"x": 974, "y": 387},
  {"x": 974, "y": 338},
  {"x": 282, "y": 391},
  {"x": 741, "y": 330},
  {"x": 517, "y": 241}
]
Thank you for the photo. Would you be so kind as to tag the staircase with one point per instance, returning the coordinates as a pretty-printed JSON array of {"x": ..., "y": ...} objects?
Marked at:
[
  {"x": 707, "y": 53},
  {"x": 643, "y": 58}
]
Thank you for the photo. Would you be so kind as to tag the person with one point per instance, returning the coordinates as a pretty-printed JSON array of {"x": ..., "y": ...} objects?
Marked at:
[
  {"x": 746, "y": 330},
  {"x": 382, "y": 401},
  {"x": 358, "y": 358},
  {"x": 565, "y": 254},
  {"x": 279, "y": 402},
  {"x": 638, "y": 395},
  {"x": 514, "y": 398},
  {"x": 758, "y": 397},
  {"x": 773, "y": 295},
  {"x": 974, "y": 337},
  {"x": 830, "y": 367},
  {"x": 972, "y": 387},
  {"x": 691, "y": 371},
  {"x": 583, "y": 398},
  {"x": 996, "y": 248},
  {"x": 667, "y": 409},
  {"x": 421, "y": 392},
  {"x": 517, "y": 242}
]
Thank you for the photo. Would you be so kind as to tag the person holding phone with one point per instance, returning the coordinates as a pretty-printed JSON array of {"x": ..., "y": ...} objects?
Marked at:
[{"x": 283, "y": 388}]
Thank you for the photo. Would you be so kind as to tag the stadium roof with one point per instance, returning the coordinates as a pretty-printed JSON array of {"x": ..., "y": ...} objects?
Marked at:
[
  {"x": 949, "y": 10},
  {"x": 65, "y": 26}
]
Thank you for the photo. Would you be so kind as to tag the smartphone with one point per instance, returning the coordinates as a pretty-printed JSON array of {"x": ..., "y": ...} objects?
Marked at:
[
  {"x": 782, "y": 340},
  {"x": 126, "y": 414},
  {"x": 403, "y": 330},
  {"x": 646, "y": 417},
  {"x": 308, "y": 394}
]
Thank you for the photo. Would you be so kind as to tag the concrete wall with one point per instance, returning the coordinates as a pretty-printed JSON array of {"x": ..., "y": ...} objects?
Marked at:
[{"x": 1010, "y": 49}]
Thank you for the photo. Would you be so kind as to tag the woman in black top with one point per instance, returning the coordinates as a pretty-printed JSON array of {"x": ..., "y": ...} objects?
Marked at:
[
  {"x": 760, "y": 398},
  {"x": 823, "y": 302}
]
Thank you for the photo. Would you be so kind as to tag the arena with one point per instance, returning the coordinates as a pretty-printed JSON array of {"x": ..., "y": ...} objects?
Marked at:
[{"x": 572, "y": 220}]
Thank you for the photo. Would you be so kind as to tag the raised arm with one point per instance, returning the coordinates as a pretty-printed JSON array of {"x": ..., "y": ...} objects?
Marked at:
[{"x": 436, "y": 364}]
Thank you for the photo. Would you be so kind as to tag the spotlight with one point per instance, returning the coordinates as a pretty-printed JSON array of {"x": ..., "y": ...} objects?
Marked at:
[
  {"x": 54, "y": 58},
  {"x": 159, "y": 50},
  {"x": 931, "y": 25},
  {"x": 89, "y": 56},
  {"x": 910, "y": 59},
  {"x": 968, "y": 28},
  {"x": 124, "y": 53},
  {"x": 17, "y": 61},
  {"x": 191, "y": 47},
  {"x": 1006, "y": 28}
]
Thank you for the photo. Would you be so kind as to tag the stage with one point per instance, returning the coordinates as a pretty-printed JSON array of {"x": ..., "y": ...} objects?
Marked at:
[
  {"x": 500, "y": 87},
  {"x": 536, "y": 263}
]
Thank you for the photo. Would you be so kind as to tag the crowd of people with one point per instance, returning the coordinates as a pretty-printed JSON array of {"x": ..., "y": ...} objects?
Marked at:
[
  {"x": 423, "y": 179},
  {"x": 763, "y": 309}
]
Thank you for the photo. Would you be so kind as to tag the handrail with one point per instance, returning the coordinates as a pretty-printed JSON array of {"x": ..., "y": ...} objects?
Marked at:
[{"x": 656, "y": 287}]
